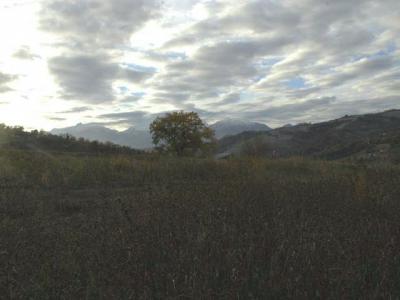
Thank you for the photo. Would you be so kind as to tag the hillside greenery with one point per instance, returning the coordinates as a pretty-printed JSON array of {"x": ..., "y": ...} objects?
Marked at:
[
  {"x": 366, "y": 138},
  {"x": 41, "y": 141}
]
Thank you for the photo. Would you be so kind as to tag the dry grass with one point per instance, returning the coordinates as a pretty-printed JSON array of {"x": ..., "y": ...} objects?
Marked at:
[{"x": 123, "y": 228}]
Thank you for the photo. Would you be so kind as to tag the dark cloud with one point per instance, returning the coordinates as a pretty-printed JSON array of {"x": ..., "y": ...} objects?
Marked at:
[
  {"x": 56, "y": 118},
  {"x": 321, "y": 109},
  {"x": 75, "y": 110},
  {"x": 265, "y": 15},
  {"x": 230, "y": 99},
  {"x": 134, "y": 75},
  {"x": 139, "y": 119},
  {"x": 315, "y": 39},
  {"x": 142, "y": 119},
  {"x": 216, "y": 67},
  {"x": 131, "y": 99},
  {"x": 93, "y": 34},
  {"x": 290, "y": 111},
  {"x": 88, "y": 24},
  {"x": 4, "y": 80},
  {"x": 84, "y": 77},
  {"x": 345, "y": 48},
  {"x": 89, "y": 78},
  {"x": 361, "y": 69},
  {"x": 125, "y": 115},
  {"x": 361, "y": 106},
  {"x": 25, "y": 53}
]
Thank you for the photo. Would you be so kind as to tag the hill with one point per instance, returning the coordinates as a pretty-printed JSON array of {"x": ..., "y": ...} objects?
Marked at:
[
  {"x": 369, "y": 136},
  {"x": 15, "y": 138}
]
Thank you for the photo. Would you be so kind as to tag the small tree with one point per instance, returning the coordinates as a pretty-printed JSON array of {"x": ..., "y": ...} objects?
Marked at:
[
  {"x": 256, "y": 147},
  {"x": 182, "y": 133}
]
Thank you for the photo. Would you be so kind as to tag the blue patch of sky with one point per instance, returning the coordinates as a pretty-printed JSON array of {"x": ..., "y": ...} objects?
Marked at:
[
  {"x": 138, "y": 94},
  {"x": 295, "y": 83},
  {"x": 176, "y": 55},
  {"x": 269, "y": 62},
  {"x": 123, "y": 89},
  {"x": 246, "y": 96},
  {"x": 257, "y": 78},
  {"x": 263, "y": 66},
  {"x": 388, "y": 50},
  {"x": 139, "y": 68}
]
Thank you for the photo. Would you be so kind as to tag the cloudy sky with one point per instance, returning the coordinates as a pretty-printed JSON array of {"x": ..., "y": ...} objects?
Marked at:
[{"x": 121, "y": 62}]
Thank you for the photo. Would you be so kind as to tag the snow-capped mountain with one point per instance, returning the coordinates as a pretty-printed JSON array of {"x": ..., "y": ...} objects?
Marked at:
[
  {"x": 235, "y": 126},
  {"x": 141, "y": 139},
  {"x": 138, "y": 139}
]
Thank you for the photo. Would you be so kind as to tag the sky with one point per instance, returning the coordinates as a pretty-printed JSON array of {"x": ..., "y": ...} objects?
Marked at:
[{"x": 120, "y": 63}]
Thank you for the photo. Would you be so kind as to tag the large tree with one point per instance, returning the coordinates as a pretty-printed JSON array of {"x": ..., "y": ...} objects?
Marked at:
[{"x": 182, "y": 133}]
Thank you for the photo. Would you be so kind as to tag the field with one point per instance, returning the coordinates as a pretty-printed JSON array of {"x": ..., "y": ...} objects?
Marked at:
[{"x": 143, "y": 227}]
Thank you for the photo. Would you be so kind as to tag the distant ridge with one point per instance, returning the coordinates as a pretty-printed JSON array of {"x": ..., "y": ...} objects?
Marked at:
[
  {"x": 368, "y": 136},
  {"x": 141, "y": 139},
  {"x": 229, "y": 127},
  {"x": 137, "y": 139}
]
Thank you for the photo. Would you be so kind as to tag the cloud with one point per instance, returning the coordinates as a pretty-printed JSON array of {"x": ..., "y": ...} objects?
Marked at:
[
  {"x": 84, "y": 77},
  {"x": 316, "y": 41},
  {"x": 25, "y": 53},
  {"x": 139, "y": 119},
  {"x": 274, "y": 61},
  {"x": 94, "y": 33},
  {"x": 363, "y": 68},
  {"x": 89, "y": 78},
  {"x": 4, "y": 80},
  {"x": 292, "y": 110},
  {"x": 88, "y": 24},
  {"x": 56, "y": 118},
  {"x": 321, "y": 109},
  {"x": 75, "y": 110},
  {"x": 134, "y": 75}
]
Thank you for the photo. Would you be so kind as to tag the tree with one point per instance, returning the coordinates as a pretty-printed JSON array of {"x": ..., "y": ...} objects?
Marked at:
[
  {"x": 182, "y": 133},
  {"x": 256, "y": 147}
]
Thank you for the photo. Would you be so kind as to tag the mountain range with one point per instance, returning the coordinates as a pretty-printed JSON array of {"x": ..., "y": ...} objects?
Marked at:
[
  {"x": 367, "y": 136},
  {"x": 141, "y": 139}
]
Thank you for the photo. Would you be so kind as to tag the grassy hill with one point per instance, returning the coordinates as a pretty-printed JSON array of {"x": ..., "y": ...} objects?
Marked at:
[
  {"x": 15, "y": 138},
  {"x": 363, "y": 137}
]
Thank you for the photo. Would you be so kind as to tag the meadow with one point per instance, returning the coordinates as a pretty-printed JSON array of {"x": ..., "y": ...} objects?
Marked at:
[{"x": 149, "y": 227}]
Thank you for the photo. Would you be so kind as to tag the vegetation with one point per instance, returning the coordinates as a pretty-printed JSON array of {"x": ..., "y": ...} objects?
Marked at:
[
  {"x": 256, "y": 147},
  {"x": 127, "y": 227},
  {"x": 38, "y": 141},
  {"x": 76, "y": 223},
  {"x": 182, "y": 133},
  {"x": 365, "y": 138}
]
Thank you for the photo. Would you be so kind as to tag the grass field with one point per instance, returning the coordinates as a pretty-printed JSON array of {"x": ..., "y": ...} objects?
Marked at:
[{"x": 126, "y": 227}]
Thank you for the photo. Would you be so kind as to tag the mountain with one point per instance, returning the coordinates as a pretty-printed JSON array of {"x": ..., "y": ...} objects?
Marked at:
[
  {"x": 138, "y": 139},
  {"x": 141, "y": 139},
  {"x": 89, "y": 131},
  {"x": 228, "y": 127},
  {"x": 368, "y": 136}
]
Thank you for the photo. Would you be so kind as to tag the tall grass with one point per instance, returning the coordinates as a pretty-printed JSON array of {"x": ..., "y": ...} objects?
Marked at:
[{"x": 121, "y": 227}]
